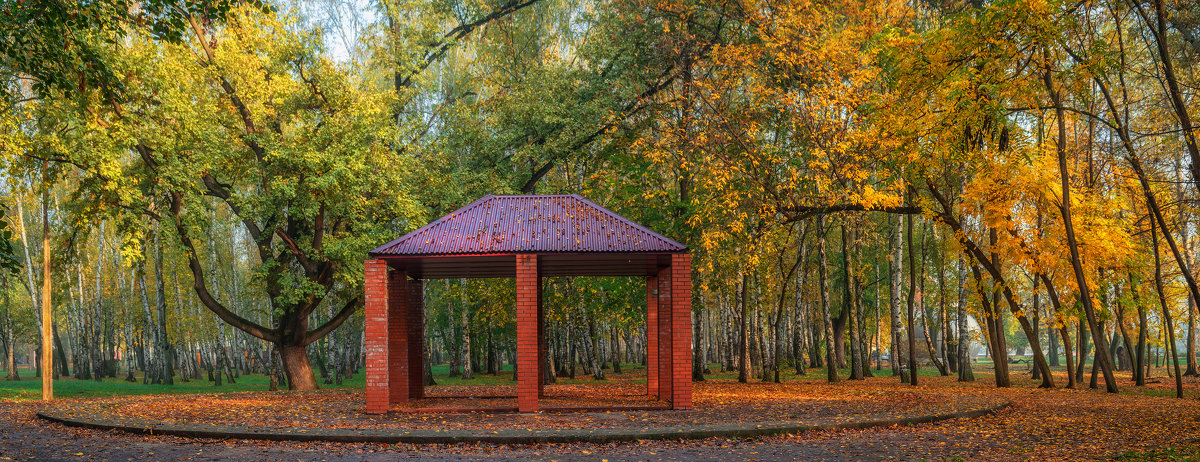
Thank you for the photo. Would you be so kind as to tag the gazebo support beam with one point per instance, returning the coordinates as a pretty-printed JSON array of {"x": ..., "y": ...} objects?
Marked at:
[
  {"x": 378, "y": 390},
  {"x": 414, "y": 340},
  {"x": 681, "y": 319},
  {"x": 398, "y": 337},
  {"x": 652, "y": 337},
  {"x": 529, "y": 333},
  {"x": 395, "y": 337},
  {"x": 666, "y": 347}
]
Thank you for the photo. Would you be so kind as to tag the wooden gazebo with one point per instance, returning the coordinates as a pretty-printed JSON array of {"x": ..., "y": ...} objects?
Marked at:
[{"x": 528, "y": 238}]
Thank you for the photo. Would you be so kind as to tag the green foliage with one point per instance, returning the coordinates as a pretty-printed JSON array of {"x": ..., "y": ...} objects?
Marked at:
[
  {"x": 63, "y": 45},
  {"x": 8, "y": 252}
]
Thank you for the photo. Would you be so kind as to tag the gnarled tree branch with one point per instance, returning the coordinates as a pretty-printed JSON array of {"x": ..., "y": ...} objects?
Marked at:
[{"x": 333, "y": 323}]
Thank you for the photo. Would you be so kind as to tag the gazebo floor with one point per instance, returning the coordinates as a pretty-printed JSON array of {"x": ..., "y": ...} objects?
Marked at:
[
  {"x": 594, "y": 397},
  {"x": 614, "y": 404}
]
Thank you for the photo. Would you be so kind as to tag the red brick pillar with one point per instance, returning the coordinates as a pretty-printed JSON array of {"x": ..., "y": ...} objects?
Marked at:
[
  {"x": 376, "y": 336},
  {"x": 529, "y": 343},
  {"x": 543, "y": 358},
  {"x": 415, "y": 345},
  {"x": 666, "y": 345},
  {"x": 398, "y": 332},
  {"x": 681, "y": 328},
  {"x": 652, "y": 337}
]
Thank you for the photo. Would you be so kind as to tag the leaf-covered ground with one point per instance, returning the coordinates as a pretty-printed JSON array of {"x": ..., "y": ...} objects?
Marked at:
[
  {"x": 716, "y": 402},
  {"x": 1138, "y": 424}
]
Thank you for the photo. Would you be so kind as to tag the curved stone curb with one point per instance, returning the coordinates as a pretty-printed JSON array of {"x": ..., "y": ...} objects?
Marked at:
[{"x": 508, "y": 436}]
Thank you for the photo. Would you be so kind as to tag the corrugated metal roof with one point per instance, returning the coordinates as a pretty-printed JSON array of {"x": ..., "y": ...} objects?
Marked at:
[{"x": 529, "y": 224}]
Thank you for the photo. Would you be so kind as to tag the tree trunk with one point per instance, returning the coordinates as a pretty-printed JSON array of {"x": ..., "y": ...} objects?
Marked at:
[
  {"x": 614, "y": 349},
  {"x": 721, "y": 330},
  {"x": 1184, "y": 242},
  {"x": 47, "y": 316},
  {"x": 912, "y": 292},
  {"x": 31, "y": 287},
  {"x": 877, "y": 335},
  {"x": 699, "y": 340},
  {"x": 1191, "y": 337},
  {"x": 756, "y": 334},
  {"x": 896, "y": 268},
  {"x": 864, "y": 347},
  {"x": 429, "y": 382},
  {"x": 993, "y": 331},
  {"x": 296, "y": 367},
  {"x": 594, "y": 357},
  {"x": 780, "y": 309},
  {"x": 744, "y": 364},
  {"x": 946, "y": 340},
  {"x": 848, "y": 270},
  {"x": 452, "y": 340},
  {"x": 1037, "y": 319},
  {"x": 800, "y": 324},
  {"x": 10, "y": 359},
  {"x": 965, "y": 372},
  {"x": 151, "y": 326},
  {"x": 1085, "y": 294},
  {"x": 274, "y": 370},
  {"x": 933, "y": 356},
  {"x": 465, "y": 350},
  {"x": 1139, "y": 358},
  {"x": 166, "y": 373},
  {"x": 1168, "y": 326},
  {"x": 1125, "y": 337},
  {"x": 830, "y": 362},
  {"x": 1122, "y": 130},
  {"x": 1061, "y": 320},
  {"x": 991, "y": 262},
  {"x": 1084, "y": 347}
]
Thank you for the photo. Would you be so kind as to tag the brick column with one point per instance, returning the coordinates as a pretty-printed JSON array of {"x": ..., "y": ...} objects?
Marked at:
[
  {"x": 652, "y": 337},
  {"x": 543, "y": 358},
  {"x": 375, "y": 336},
  {"x": 666, "y": 345},
  {"x": 529, "y": 351},
  {"x": 415, "y": 325},
  {"x": 681, "y": 328},
  {"x": 398, "y": 332}
]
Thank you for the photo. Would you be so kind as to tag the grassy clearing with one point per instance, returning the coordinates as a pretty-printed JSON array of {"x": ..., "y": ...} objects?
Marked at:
[
  {"x": 29, "y": 387},
  {"x": 1167, "y": 454}
]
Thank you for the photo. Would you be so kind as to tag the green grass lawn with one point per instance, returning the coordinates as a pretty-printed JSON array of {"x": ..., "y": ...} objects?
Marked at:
[
  {"x": 1166, "y": 454},
  {"x": 29, "y": 387}
]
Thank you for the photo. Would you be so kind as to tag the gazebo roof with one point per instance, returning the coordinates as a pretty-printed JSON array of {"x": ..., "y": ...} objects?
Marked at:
[{"x": 575, "y": 236}]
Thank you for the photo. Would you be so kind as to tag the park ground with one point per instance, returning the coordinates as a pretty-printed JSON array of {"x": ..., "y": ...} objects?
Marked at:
[{"x": 1140, "y": 423}]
